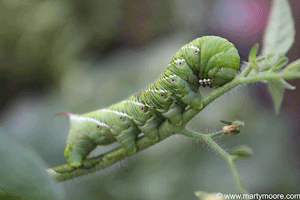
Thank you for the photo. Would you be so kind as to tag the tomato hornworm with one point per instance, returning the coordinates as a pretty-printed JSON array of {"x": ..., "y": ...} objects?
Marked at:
[{"x": 206, "y": 61}]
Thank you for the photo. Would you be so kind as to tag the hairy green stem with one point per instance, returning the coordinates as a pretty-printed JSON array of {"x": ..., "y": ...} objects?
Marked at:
[
  {"x": 213, "y": 135},
  {"x": 208, "y": 140},
  {"x": 192, "y": 112},
  {"x": 239, "y": 186},
  {"x": 66, "y": 172},
  {"x": 229, "y": 158},
  {"x": 246, "y": 72}
]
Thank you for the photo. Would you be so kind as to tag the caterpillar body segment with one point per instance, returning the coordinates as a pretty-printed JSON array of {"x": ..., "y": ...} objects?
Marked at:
[
  {"x": 206, "y": 61},
  {"x": 181, "y": 89},
  {"x": 180, "y": 68},
  {"x": 144, "y": 116},
  {"x": 191, "y": 54},
  {"x": 164, "y": 102},
  {"x": 121, "y": 125}
]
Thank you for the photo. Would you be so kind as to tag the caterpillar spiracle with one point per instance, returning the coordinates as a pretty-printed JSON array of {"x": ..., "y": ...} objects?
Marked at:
[{"x": 206, "y": 61}]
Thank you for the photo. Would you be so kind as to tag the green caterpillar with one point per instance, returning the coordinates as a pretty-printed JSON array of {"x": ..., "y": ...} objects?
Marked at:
[{"x": 206, "y": 61}]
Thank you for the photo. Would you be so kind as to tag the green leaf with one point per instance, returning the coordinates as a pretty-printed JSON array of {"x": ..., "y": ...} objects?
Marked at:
[
  {"x": 242, "y": 151},
  {"x": 282, "y": 61},
  {"x": 22, "y": 173},
  {"x": 252, "y": 57},
  {"x": 276, "y": 89},
  {"x": 293, "y": 67},
  {"x": 280, "y": 32},
  {"x": 226, "y": 122},
  {"x": 273, "y": 62},
  {"x": 269, "y": 61}
]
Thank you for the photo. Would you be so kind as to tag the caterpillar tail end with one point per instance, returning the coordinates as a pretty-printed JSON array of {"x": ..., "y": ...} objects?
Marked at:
[
  {"x": 76, "y": 164},
  {"x": 64, "y": 114},
  {"x": 66, "y": 154},
  {"x": 72, "y": 158},
  {"x": 200, "y": 106}
]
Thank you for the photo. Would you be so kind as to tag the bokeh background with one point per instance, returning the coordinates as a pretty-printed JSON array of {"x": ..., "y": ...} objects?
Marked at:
[{"x": 80, "y": 56}]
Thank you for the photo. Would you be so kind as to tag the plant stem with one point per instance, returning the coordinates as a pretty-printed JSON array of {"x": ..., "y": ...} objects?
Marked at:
[
  {"x": 239, "y": 186},
  {"x": 246, "y": 72},
  {"x": 192, "y": 112},
  {"x": 213, "y": 135},
  {"x": 229, "y": 158},
  {"x": 66, "y": 172},
  {"x": 208, "y": 140}
]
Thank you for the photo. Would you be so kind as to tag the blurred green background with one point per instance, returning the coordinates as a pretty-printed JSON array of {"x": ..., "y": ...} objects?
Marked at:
[{"x": 79, "y": 56}]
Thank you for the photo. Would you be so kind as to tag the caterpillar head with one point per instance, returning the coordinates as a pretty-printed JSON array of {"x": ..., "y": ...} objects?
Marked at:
[
  {"x": 213, "y": 59},
  {"x": 219, "y": 61}
]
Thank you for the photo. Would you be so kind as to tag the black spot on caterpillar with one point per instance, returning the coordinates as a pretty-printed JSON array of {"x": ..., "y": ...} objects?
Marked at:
[{"x": 206, "y": 61}]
